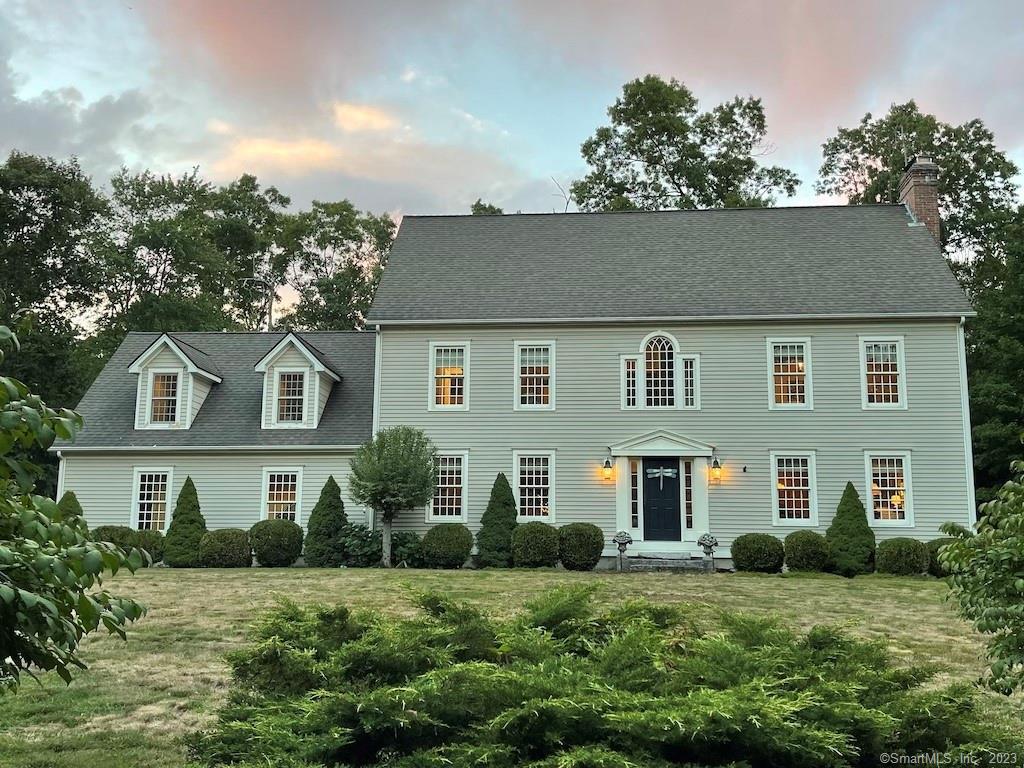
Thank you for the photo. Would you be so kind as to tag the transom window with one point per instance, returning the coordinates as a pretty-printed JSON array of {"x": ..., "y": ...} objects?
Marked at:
[
  {"x": 282, "y": 501},
  {"x": 534, "y": 365},
  {"x": 534, "y": 482},
  {"x": 291, "y": 401},
  {"x": 449, "y": 496},
  {"x": 882, "y": 369},
  {"x": 789, "y": 361},
  {"x": 151, "y": 500},
  {"x": 659, "y": 377},
  {"x": 449, "y": 377},
  {"x": 794, "y": 492},
  {"x": 163, "y": 408},
  {"x": 890, "y": 498}
]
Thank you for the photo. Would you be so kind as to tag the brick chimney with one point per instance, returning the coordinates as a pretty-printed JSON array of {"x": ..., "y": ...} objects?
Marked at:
[{"x": 919, "y": 191}]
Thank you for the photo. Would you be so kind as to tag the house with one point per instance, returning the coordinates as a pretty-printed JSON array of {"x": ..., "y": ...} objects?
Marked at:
[{"x": 662, "y": 373}]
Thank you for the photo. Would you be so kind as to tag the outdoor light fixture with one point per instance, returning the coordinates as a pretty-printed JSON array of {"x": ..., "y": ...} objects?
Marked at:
[
  {"x": 716, "y": 470},
  {"x": 606, "y": 468}
]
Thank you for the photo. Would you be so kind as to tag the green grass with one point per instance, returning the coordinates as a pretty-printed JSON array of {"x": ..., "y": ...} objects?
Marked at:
[{"x": 138, "y": 698}]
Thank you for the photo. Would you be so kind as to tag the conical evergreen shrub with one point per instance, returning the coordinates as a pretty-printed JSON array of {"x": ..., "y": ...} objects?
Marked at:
[
  {"x": 851, "y": 540},
  {"x": 494, "y": 539},
  {"x": 181, "y": 545},
  {"x": 327, "y": 521},
  {"x": 70, "y": 507}
]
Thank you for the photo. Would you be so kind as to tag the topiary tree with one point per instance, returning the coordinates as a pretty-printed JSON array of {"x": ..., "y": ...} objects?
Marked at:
[
  {"x": 395, "y": 471},
  {"x": 986, "y": 568},
  {"x": 494, "y": 539},
  {"x": 181, "y": 545},
  {"x": 580, "y": 546},
  {"x": 757, "y": 552},
  {"x": 327, "y": 521},
  {"x": 277, "y": 543},
  {"x": 851, "y": 541},
  {"x": 70, "y": 507},
  {"x": 446, "y": 545}
]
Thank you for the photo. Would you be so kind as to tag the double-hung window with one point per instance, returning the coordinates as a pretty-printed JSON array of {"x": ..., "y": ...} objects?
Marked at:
[
  {"x": 164, "y": 395},
  {"x": 152, "y": 496},
  {"x": 660, "y": 377},
  {"x": 789, "y": 366},
  {"x": 282, "y": 493},
  {"x": 888, "y": 479},
  {"x": 794, "y": 489},
  {"x": 449, "y": 502},
  {"x": 291, "y": 397},
  {"x": 449, "y": 377},
  {"x": 535, "y": 376},
  {"x": 535, "y": 482},
  {"x": 883, "y": 373}
]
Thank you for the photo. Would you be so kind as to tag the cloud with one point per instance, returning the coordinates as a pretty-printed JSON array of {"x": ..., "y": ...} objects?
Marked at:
[{"x": 359, "y": 118}]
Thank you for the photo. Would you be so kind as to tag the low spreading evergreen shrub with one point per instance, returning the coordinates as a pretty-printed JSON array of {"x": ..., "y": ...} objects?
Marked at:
[
  {"x": 181, "y": 545},
  {"x": 535, "y": 545},
  {"x": 327, "y": 521},
  {"x": 276, "y": 543},
  {"x": 902, "y": 557},
  {"x": 580, "y": 546},
  {"x": 494, "y": 539},
  {"x": 759, "y": 552},
  {"x": 935, "y": 568},
  {"x": 119, "y": 535},
  {"x": 225, "y": 548},
  {"x": 851, "y": 542},
  {"x": 564, "y": 685},
  {"x": 447, "y": 545},
  {"x": 806, "y": 551},
  {"x": 153, "y": 543}
]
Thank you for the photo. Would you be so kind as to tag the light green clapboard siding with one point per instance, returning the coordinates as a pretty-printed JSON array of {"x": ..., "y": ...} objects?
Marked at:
[
  {"x": 290, "y": 357},
  {"x": 230, "y": 485},
  {"x": 734, "y": 416},
  {"x": 167, "y": 360}
]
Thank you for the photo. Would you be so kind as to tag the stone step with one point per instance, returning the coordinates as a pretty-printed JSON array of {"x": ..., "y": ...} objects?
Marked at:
[{"x": 666, "y": 564}]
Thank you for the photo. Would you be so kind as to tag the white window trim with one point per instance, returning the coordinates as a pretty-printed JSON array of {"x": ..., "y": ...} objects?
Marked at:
[
  {"x": 431, "y": 371},
  {"x": 430, "y": 517},
  {"x": 908, "y": 483},
  {"x": 641, "y": 378},
  {"x": 137, "y": 471},
  {"x": 551, "y": 485},
  {"x": 264, "y": 501},
  {"x": 180, "y": 417},
  {"x": 275, "y": 384},
  {"x": 862, "y": 341},
  {"x": 812, "y": 472},
  {"x": 770, "y": 343},
  {"x": 516, "y": 405}
]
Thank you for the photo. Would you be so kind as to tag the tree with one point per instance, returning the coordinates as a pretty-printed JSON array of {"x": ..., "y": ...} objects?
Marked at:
[
  {"x": 986, "y": 568},
  {"x": 70, "y": 507},
  {"x": 660, "y": 151},
  {"x": 395, "y": 471},
  {"x": 480, "y": 208},
  {"x": 976, "y": 190},
  {"x": 327, "y": 522},
  {"x": 851, "y": 540},
  {"x": 494, "y": 539},
  {"x": 49, "y": 566},
  {"x": 181, "y": 546}
]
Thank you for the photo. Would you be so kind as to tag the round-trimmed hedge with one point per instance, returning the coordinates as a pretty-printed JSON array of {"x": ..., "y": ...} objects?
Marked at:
[
  {"x": 152, "y": 542},
  {"x": 446, "y": 545},
  {"x": 119, "y": 535},
  {"x": 935, "y": 568},
  {"x": 902, "y": 557},
  {"x": 535, "y": 545},
  {"x": 580, "y": 546},
  {"x": 806, "y": 551},
  {"x": 225, "y": 548},
  {"x": 758, "y": 552},
  {"x": 276, "y": 543}
]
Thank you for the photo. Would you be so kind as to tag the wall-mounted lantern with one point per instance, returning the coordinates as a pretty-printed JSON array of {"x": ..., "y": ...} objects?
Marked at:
[
  {"x": 607, "y": 470},
  {"x": 716, "y": 471}
]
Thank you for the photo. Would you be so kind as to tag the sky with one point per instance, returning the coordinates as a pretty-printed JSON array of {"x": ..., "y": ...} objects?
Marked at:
[{"x": 422, "y": 106}]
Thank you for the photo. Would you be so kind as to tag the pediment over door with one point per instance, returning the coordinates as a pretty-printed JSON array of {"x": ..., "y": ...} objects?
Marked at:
[{"x": 661, "y": 442}]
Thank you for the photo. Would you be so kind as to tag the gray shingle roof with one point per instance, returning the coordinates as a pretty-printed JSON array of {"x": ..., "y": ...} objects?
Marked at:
[
  {"x": 759, "y": 262},
  {"x": 197, "y": 356},
  {"x": 231, "y": 414}
]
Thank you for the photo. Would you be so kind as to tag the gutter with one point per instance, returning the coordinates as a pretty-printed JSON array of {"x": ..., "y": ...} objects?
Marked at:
[{"x": 203, "y": 449}]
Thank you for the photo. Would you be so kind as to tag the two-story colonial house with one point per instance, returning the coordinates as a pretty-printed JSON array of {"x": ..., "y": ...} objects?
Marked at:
[{"x": 666, "y": 374}]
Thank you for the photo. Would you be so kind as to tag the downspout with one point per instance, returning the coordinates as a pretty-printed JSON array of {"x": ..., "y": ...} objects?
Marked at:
[
  {"x": 965, "y": 410},
  {"x": 60, "y": 475}
]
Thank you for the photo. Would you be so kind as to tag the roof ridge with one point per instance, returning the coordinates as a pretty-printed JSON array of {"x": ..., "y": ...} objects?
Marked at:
[{"x": 843, "y": 206}]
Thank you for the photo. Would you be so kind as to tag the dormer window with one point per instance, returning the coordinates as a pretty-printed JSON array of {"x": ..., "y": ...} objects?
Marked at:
[
  {"x": 163, "y": 403},
  {"x": 291, "y": 396},
  {"x": 174, "y": 379},
  {"x": 297, "y": 383}
]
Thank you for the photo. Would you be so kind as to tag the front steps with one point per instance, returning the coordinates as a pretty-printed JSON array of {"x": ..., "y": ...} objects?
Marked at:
[{"x": 655, "y": 563}]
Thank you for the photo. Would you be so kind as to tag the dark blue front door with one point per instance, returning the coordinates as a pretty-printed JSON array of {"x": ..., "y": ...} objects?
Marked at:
[{"x": 662, "y": 518}]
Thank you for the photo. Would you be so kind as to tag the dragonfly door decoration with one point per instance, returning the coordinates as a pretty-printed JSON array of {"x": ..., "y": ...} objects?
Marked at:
[{"x": 661, "y": 473}]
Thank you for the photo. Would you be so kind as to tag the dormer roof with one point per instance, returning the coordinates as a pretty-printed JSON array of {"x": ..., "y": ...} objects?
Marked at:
[
  {"x": 195, "y": 360},
  {"x": 316, "y": 358}
]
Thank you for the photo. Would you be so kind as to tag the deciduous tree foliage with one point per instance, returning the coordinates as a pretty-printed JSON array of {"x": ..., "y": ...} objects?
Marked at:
[
  {"x": 480, "y": 208},
  {"x": 660, "y": 151}
]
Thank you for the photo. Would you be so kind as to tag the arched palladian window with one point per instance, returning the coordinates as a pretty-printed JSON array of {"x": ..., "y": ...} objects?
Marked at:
[{"x": 660, "y": 377}]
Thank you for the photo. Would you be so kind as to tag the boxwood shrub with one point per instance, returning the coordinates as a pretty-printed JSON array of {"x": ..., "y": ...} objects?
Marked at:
[
  {"x": 806, "y": 551},
  {"x": 535, "y": 545},
  {"x": 935, "y": 568},
  {"x": 447, "y": 545},
  {"x": 902, "y": 557},
  {"x": 225, "y": 548},
  {"x": 276, "y": 543},
  {"x": 152, "y": 542},
  {"x": 580, "y": 546},
  {"x": 760, "y": 552},
  {"x": 119, "y": 535}
]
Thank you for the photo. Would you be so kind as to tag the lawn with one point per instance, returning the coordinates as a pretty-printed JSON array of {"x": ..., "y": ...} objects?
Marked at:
[{"x": 130, "y": 708}]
